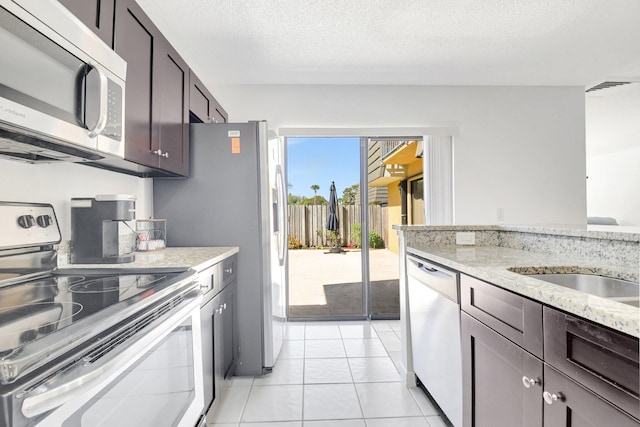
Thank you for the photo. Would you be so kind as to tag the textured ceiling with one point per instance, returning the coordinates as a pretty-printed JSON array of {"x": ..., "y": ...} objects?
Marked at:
[{"x": 434, "y": 42}]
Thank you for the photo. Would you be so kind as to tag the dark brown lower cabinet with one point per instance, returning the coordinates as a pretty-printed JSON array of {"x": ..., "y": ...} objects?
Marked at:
[
  {"x": 603, "y": 360},
  {"x": 502, "y": 382},
  {"x": 574, "y": 406},
  {"x": 229, "y": 351}
]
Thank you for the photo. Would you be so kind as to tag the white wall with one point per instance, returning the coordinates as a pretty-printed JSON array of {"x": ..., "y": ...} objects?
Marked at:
[
  {"x": 517, "y": 148},
  {"x": 613, "y": 153},
  {"x": 58, "y": 183},
  {"x": 613, "y": 187}
]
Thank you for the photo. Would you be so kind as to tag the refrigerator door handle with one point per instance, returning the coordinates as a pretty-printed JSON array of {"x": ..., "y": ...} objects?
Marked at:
[{"x": 281, "y": 213}]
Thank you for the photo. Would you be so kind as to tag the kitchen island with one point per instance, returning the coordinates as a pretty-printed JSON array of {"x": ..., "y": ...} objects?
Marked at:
[
  {"x": 531, "y": 339},
  {"x": 505, "y": 255}
]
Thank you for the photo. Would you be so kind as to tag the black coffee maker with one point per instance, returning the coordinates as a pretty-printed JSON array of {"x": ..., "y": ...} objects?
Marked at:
[{"x": 94, "y": 228}]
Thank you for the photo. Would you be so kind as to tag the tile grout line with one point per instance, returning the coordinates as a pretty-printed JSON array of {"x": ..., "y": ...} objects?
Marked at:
[
  {"x": 353, "y": 380},
  {"x": 304, "y": 366}
]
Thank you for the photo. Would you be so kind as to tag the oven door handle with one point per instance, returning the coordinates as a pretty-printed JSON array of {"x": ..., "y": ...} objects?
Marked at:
[{"x": 75, "y": 382}]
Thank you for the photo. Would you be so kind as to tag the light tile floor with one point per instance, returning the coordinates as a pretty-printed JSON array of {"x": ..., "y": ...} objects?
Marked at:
[{"x": 330, "y": 374}]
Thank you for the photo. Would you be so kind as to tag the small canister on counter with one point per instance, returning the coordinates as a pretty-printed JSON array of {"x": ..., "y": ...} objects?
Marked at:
[{"x": 152, "y": 234}]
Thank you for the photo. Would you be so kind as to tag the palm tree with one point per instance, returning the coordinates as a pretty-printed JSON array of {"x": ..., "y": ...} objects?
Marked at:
[{"x": 315, "y": 188}]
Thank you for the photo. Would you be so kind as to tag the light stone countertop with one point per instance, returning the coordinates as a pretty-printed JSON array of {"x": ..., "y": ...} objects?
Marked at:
[
  {"x": 491, "y": 263},
  {"x": 631, "y": 234},
  {"x": 198, "y": 258}
]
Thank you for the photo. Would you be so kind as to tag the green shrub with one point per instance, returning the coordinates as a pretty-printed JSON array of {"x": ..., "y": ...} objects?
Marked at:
[
  {"x": 375, "y": 240},
  {"x": 356, "y": 235}
]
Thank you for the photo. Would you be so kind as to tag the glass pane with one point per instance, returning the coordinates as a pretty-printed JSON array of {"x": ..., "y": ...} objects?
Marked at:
[
  {"x": 417, "y": 201},
  {"x": 325, "y": 266},
  {"x": 386, "y": 172},
  {"x": 157, "y": 390}
]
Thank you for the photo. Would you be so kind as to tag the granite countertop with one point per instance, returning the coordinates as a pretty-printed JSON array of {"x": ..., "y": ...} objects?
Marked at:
[
  {"x": 607, "y": 232},
  {"x": 198, "y": 258},
  {"x": 491, "y": 263}
]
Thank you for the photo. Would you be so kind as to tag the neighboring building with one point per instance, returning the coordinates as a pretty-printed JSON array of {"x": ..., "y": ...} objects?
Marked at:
[
  {"x": 377, "y": 194},
  {"x": 395, "y": 173}
]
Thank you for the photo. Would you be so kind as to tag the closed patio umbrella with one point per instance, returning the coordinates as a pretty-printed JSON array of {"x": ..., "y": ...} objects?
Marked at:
[{"x": 332, "y": 218}]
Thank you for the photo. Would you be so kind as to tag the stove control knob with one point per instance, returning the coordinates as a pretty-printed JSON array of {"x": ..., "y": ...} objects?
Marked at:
[
  {"x": 26, "y": 221},
  {"x": 44, "y": 221}
]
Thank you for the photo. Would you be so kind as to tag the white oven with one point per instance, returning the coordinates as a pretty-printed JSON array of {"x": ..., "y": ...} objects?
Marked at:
[{"x": 150, "y": 375}]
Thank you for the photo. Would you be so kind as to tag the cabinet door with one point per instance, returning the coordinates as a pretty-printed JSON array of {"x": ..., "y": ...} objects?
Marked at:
[
  {"x": 219, "y": 115},
  {"x": 202, "y": 105},
  {"x": 207, "y": 314},
  {"x": 571, "y": 405},
  {"x": 135, "y": 39},
  {"x": 199, "y": 100},
  {"x": 495, "y": 372},
  {"x": 171, "y": 108},
  {"x": 603, "y": 360},
  {"x": 218, "y": 373},
  {"x": 95, "y": 14},
  {"x": 517, "y": 318},
  {"x": 230, "y": 341}
]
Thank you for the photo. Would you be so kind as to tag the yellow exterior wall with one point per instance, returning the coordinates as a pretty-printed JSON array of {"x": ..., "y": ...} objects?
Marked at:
[
  {"x": 394, "y": 212},
  {"x": 414, "y": 168},
  {"x": 393, "y": 218}
]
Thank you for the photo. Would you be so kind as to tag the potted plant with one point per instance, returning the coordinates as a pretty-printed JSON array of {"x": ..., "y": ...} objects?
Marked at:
[{"x": 334, "y": 237}]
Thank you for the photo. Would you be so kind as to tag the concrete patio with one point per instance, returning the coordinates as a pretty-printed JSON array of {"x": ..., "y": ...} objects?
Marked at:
[{"x": 329, "y": 285}]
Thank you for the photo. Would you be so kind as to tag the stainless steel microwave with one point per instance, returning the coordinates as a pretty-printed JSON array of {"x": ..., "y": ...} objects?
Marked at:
[{"x": 62, "y": 89}]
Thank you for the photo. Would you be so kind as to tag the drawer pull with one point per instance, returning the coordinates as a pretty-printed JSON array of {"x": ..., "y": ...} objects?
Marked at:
[
  {"x": 529, "y": 382},
  {"x": 550, "y": 398}
]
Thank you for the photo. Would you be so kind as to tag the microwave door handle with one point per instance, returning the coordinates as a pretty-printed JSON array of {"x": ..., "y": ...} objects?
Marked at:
[
  {"x": 78, "y": 384},
  {"x": 103, "y": 102}
]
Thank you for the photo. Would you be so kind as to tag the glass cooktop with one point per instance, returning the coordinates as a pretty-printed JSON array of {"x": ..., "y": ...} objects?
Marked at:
[{"x": 33, "y": 310}]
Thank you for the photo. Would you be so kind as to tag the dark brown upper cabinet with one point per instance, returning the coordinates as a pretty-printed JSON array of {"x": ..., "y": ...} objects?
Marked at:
[
  {"x": 157, "y": 113},
  {"x": 171, "y": 104},
  {"x": 98, "y": 15},
  {"x": 163, "y": 94},
  {"x": 203, "y": 106}
]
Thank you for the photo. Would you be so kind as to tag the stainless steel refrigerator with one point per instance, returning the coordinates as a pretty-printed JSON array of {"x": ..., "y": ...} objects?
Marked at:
[{"x": 236, "y": 196}]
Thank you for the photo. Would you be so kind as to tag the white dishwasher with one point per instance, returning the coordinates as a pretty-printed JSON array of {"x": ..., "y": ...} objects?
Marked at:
[{"x": 434, "y": 315}]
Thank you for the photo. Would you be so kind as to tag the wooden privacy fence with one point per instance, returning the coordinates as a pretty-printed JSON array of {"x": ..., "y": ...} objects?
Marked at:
[{"x": 307, "y": 223}]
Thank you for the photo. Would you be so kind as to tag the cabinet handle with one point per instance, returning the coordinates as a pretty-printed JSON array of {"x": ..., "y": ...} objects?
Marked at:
[
  {"x": 529, "y": 382},
  {"x": 158, "y": 152},
  {"x": 229, "y": 270},
  {"x": 550, "y": 398},
  {"x": 224, "y": 306},
  {"x": 165, "y": 155}
]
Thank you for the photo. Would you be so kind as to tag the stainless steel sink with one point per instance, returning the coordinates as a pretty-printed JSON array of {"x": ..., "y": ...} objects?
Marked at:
[{"x": 605, "y": 287}]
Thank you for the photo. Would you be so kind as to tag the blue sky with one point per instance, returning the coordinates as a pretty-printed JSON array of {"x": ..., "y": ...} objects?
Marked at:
[{"x": 320, "y": 161}]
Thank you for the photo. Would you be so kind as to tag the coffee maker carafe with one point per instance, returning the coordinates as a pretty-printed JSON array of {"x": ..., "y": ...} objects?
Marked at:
[{"x": 94, "y": 228}]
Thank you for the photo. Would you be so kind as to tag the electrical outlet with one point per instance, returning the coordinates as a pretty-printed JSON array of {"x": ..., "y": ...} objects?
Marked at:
[{"x": 466, "y": 238}]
